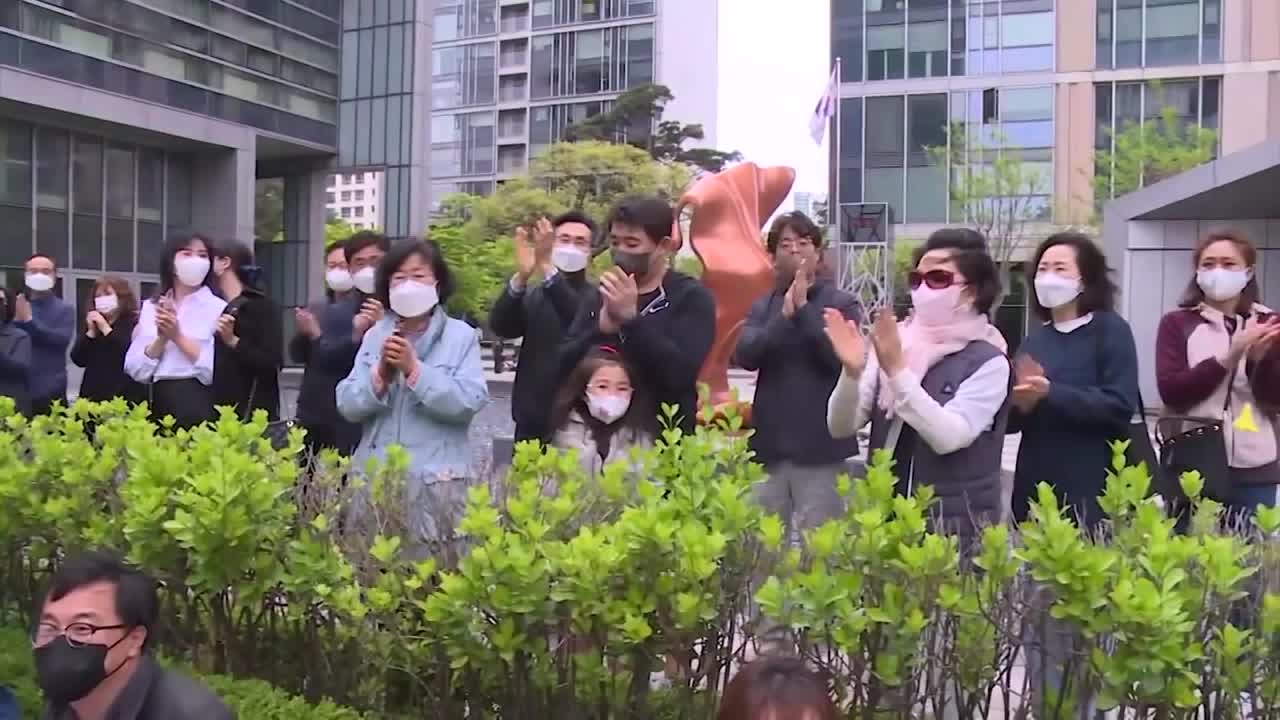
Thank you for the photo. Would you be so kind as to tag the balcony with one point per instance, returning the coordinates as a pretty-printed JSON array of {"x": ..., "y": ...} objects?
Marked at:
[
  {"x": 514, "y": 23},
  {"x": 512, "y": 160},
  {"x": 516, "y": 91}
]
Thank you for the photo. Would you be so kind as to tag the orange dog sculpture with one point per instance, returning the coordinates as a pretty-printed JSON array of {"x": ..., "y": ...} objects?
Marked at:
[{"x": 729, "y": 210}]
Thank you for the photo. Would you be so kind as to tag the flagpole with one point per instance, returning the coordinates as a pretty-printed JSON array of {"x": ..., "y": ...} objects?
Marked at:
[{"x": 833, "y": 202}]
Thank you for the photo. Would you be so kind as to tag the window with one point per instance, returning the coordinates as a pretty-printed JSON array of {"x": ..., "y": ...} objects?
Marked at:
[
  {"x": 346, "y": 212},
  {"x": 329, "y": 198},
  {"x": 886, "y": 42},
  {"x": 87, "y": 183},
  {"x": 53, "y": 154},
  {"x": 464, "y": 144},
  {"x": 885, "y": 150},
  {"x": 591, "y": 61},
  {"x": 346, "y": 196},
  {"x": 357, "y": 211},
  {"x": 927, "y": 128},
  {"x": 1138, "y": 33},
  {"x": 846, "y": 37},
  {"x": 15, "y": 153},
  {"x": 359, "y": 196},
  {"x": 178, "y": 194},
  {"x": 464, "y": 75},
  {"x": 927, "y": 38}
]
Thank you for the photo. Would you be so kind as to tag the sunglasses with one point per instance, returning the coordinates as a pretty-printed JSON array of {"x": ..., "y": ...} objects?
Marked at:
[{"x": 934, "y": 279}]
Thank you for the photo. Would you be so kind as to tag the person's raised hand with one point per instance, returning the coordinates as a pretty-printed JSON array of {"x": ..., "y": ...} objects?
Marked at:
[
  {"x": 22, "y": 309},
  {"x": 887, "y": 342},
  {"x": 307, "y": 323},
  {"x": 370, "y": 313},
  {"x": 166, "y": 322},
  {"x": 544, "y": 240},
  {"x": 621, "y": 295},
  {"x": 526, "y": 255},
  {"x": 846, "y": 340},
  {"x": 398, "y": 352}
]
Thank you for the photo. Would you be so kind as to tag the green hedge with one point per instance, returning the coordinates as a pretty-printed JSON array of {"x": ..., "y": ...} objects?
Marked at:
[{"x": 247, "y": 698}]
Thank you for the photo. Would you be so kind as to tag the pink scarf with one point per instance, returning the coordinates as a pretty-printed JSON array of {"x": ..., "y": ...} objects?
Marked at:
[{"x": 924, "y": 346}]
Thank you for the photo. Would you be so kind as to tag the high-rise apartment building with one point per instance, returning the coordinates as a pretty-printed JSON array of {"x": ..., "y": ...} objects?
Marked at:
[
  {"x": 511, "y": 75},
  {"x": 355, "y": 199},
  {"x": 1052, "y": 78}
]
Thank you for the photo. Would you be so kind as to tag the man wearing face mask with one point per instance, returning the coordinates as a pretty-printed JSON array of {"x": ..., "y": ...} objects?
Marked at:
[
  {"x": 785, "y": 340},
  {"x": 90, "y": 645},
  {"x": 50, "y": 323},
  {"x": 662, "y": 321},
  {"x": 560, "y": 252}
]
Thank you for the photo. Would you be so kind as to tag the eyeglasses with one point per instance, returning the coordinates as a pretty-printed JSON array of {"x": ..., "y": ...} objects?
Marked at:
[
  {"x": 934, "y": 279},
  {"x": 78, "y": 634}
]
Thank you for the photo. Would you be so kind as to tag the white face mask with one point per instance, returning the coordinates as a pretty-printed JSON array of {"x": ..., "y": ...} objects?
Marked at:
[
  {"x": 569, "y": 258},
  {"x": 935, "y": 307},
  {"x": 338, "y": 280},
  {"x": 365, "y": 280},
  {"x": 411, "y": 299},
  {"x": 191, "y": 269},
  {"x": 1054, "y": 290},
  {"x": 39, "y": 282},
  {"x": 1221, "y": 284},
  {"x": 607, "y": 407},
  {"x": 106, "y": 304}
]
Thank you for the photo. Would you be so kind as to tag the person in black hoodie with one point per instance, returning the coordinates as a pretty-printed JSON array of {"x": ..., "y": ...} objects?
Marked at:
[
  {"x": 663, "y": 321},
  {"x": 15, "y": 356},
  {"x": 785, "y": 340},
  {"x": 250, "y": 338},
  {"x": 100, "y": 349},
  {"x": 324, "y": 345},
  {"x": 560, "y": 251}
]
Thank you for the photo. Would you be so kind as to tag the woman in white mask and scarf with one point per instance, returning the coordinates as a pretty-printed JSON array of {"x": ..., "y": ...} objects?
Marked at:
[
  {"x": 936, "y": 386},
  {"x": 417, "y": 383}
]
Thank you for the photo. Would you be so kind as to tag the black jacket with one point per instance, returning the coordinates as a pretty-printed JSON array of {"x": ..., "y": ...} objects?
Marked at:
[
  {"x": 155, "y": 693},
  {"x": 15, "y": 366},
  {"x": 328, "y": 359},
  {"x": 102, "y": 358},
  {"x": 797, "y": 371},
  {"x": 666, "y": 342},
  {"x": 541, "y": 315},
  {"x": 253, "y": 367}
]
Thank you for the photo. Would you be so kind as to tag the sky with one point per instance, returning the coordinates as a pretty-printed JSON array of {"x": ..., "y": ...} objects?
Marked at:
[{"x": 774, "y": 65}]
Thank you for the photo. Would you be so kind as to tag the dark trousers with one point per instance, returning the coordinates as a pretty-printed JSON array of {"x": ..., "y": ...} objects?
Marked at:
[
  {"x": 43, "y": 406},
  {"x": 188, "y": 401}
]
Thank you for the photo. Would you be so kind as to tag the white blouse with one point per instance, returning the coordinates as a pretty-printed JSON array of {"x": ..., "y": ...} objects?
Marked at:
[{"x": 197, "y": 320}]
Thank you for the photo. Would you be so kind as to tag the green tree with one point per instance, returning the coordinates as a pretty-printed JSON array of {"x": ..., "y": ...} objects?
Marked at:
[
  {"x": 636, "y": 118},
  {"x": 336, "y": 230},
  {"x": 1150, "y": 151},
  {"x": 992, "y": 190},
  {"x": 479, "y": 270},
  {"x": 268, "y": 210}
]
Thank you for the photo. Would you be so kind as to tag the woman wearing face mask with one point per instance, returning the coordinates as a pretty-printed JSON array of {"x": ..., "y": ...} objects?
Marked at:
[
  {"x": 936, "y": 388},
  {"x": 250, "y": 344},
  {"x": 417, "y": 383},
  {"x": 101, "y": 348},
  {"x": 1077, "y": 379},
  {"x": 1210, "y": 363},
  {"x": 322, "y": 326},
  {"x": 15, "y": 356},
  {"x": 173, "y": 346},
  {"x": 601, "y": 413}
]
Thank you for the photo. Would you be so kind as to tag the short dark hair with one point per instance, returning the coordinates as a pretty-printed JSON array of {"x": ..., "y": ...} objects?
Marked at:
[
  {"x": 429, "y": 251},
  {"x": 970, "y": 253},
  {"x": 1250, "y": 295},
  {"x": 242, "y": 264},
  {"x": 136, "y": 598},
  {"x": 575, "y": 216},
  {"x": 171, "y": 248},
  {"x": 777, "y": 688},
  {"x": 799, "y": 223},
  {"x": 1097, "y": 291},
  {"x": 46, "y": 256},
  {"x": 647, "y": 212},
  {"x": 364, "y": 239},
  {"x": 6, "y": 305}
]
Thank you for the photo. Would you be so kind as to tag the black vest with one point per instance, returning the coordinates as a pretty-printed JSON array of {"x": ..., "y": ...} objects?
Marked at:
[{"x": 967, "y": 481}]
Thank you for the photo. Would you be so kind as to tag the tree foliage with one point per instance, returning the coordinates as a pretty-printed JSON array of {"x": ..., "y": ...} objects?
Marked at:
[
  {"x": 1150, "y": 151},
  {"x": 992, "y": 189},
  {"x": 636, "y": 118},
  {"x": 479, "y": 270},
  {"x": 268, "y": 210}
]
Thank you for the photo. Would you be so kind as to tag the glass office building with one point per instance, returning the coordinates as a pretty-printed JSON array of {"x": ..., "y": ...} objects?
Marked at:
[{"x": 123, "y": 122}]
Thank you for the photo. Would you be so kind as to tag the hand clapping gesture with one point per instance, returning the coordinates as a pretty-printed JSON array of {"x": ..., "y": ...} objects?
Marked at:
[
  {"x": 846, "y": 340},
  {"x": 166, "y": 319},
  {"x": 620, "y": 298},
  {"x": 1030, "y": 384},
  {"x": 370, "y": 313},
  {"x": 798, "y": 294},
  {"x": 887, "y": 342}
]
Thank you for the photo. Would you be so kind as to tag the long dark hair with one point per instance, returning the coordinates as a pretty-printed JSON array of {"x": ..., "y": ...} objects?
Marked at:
[
  {"x": 1097, "y": 290},
  {"x": 242, "y": 264},
  {"x": 641, "y": 416},
  {"x": 777, "y": 688},
  {"x": 171, "y": 249},
  {"x": 1250, "y": 295},
  {"x": 6, "y": 305}
]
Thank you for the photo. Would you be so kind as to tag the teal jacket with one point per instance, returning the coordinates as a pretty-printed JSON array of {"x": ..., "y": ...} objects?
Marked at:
[{"x": 431, "y": 420}]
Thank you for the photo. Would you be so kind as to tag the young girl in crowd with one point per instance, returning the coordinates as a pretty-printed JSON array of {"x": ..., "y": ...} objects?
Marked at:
[
  {"x": 15, "y": 356},
  {"x": 936, "y": 388},
  {"x": 101, "y": 348},
  {"x": 250, "y": 343},
  {"x": 1077, "y": 379},
  {"x": 417, "y": 383},
  {"x": 600, "y": 412},
  {"x": 173, "y": 347},
  {"x": 1211, "y": 362}
]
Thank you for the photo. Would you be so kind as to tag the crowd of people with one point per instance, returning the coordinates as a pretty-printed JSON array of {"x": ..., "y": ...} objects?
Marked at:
[{"x": 386, "y": 365}]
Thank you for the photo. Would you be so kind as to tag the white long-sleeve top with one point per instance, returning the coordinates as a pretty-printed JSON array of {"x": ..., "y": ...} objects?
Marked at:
[
  {"x": 197, "y": 320},
  {"x": 946, "y": 428}
]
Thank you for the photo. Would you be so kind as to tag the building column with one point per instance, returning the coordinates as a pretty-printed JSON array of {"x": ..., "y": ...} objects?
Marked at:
[{"x": 222, "y": 189}]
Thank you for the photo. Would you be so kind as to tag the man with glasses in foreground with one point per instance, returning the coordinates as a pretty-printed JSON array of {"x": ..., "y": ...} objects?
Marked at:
[{"x": 90, "y": 645}]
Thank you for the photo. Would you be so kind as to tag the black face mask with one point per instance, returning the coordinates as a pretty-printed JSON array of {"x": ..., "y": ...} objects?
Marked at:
[
  {"x": 67, "y": 673},
  {"x": 636, "y": 264}
]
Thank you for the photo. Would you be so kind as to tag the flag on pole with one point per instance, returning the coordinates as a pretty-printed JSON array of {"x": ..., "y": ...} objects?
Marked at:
[{"x": 826, "y": 107}]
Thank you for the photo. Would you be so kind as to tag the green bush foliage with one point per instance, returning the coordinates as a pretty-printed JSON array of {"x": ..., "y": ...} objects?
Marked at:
[{"x": 562, "y": 595}]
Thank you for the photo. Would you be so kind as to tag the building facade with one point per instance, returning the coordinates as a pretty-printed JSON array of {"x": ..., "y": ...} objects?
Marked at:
[
  {"x": 1050, "y": 79},
  {"x": 124, "y": 122},
  {"x": 511, "y": 75},
  {"x": 354, "y": 198}
]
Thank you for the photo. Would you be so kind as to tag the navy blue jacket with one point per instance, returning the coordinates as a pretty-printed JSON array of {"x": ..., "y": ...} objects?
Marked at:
[{"x": 51, "y": 327}]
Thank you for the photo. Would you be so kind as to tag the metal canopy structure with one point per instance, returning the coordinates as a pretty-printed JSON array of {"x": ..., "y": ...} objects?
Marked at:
[{"x": 864, "y": 254}]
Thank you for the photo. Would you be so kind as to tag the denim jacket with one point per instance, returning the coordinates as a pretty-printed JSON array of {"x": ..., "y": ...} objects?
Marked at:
[{"x": 430, "y": 420}]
